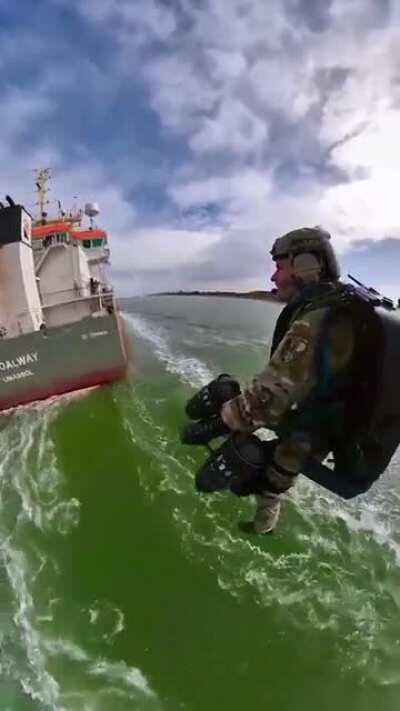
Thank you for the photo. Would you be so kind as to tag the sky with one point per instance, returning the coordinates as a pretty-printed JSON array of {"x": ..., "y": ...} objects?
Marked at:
[{"x": 207, "y": 128}]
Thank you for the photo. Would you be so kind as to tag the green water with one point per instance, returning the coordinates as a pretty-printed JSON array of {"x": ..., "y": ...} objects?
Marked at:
[{"x": 122, "y": 588}]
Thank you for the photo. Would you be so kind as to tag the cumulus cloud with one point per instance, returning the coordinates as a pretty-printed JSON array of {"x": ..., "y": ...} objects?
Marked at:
[
  {"x": 234, "y": 127},
  {"x": 179, "y": 93},
  {"x": 283, "y": 84},
  {"x": 219, "y": 125},
  {"x": 138, "y": 20},
  {"x": 18, "y": 109},
  {"x": 162, "y": 249}
]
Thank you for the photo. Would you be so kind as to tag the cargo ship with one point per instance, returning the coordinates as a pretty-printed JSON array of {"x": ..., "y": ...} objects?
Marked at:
[{"x": 60, "y": 327}]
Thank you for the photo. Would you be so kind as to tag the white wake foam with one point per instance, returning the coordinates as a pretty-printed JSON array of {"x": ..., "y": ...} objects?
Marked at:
[
  {"x": 119, "y": 678},
  {"x": 190, "y": 370},
  {"x": 31, "y": 498},
  {"x": 332, "y": 577},
  {"x": 23, "y": 488},
  {"x": 107, "y": 620}
]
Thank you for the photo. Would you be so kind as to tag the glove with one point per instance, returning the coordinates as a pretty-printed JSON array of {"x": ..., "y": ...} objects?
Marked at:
[{"x": 203, "y": 431}]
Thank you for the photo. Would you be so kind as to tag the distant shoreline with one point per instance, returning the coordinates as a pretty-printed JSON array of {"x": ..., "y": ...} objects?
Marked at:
[{"x": 257, "y": 295}]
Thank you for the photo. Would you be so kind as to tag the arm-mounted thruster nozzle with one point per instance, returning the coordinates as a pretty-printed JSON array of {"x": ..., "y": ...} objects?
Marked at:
[
  {"x": 209, "y": 400},
  {"x": 205, "y": 407}
]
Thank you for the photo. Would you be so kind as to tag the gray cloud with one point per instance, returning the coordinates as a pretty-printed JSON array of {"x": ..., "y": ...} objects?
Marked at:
[
  {"x": 315, "y": 15},
  {"x": 382, "y": 255},
  {"x": 250, "y": 118}
]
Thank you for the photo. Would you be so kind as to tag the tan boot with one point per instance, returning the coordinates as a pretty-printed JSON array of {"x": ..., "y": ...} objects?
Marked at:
[{"x": 267, "y": 512}]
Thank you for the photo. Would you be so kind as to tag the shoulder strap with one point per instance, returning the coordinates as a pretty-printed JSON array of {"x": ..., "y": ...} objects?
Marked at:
[{"x": 312, "y": 297}]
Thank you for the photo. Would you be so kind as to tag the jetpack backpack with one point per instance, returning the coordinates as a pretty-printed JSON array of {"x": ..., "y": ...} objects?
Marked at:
[{"x": 371, "y": 400}]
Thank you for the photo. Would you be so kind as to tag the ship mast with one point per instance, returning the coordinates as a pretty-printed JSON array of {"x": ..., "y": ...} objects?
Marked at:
[
  {"x": 42, "y": 179},
  {"x": 74, "y": 216}
]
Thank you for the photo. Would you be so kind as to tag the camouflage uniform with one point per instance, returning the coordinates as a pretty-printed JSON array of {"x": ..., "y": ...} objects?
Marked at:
[{"x": 280, "y": 389}]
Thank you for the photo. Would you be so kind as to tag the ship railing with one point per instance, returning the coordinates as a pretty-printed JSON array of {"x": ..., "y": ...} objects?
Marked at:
[
  {"x": 104, "y": 300},
  {"x": 101, "y": 302}
]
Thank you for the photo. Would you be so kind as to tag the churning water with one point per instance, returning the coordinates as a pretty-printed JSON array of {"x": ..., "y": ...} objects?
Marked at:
[{"x": 122, "y": 588}]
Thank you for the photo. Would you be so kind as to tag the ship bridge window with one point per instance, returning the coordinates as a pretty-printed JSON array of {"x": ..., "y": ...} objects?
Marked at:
[
  {"x": 61, "y": 237},
  {"x": 56, "y": 238},
  {"x": 90, "y": 243}
]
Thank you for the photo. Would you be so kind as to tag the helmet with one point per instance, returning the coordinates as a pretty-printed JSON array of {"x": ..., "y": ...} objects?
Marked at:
[{"x": 310, "y": 251}]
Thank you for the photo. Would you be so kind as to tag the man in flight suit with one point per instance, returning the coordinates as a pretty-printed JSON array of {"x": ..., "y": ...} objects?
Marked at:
[{"x": 307, "y": 348}]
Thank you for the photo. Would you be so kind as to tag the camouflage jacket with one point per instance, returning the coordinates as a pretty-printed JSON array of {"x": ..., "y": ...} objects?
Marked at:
[{"x": 288, "y": 379}]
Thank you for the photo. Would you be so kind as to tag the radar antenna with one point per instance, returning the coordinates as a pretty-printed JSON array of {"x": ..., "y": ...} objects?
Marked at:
[{"x": 91, "y": 210}]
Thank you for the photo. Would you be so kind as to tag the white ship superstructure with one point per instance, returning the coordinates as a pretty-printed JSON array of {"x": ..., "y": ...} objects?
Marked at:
[
  {"x": 20, "y": 305},
  {"x": 70, "y": 264}
]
